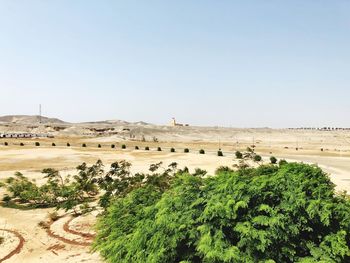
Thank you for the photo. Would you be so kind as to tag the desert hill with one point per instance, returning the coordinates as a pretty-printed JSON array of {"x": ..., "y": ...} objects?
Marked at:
[{"x": 29, "y": 119}]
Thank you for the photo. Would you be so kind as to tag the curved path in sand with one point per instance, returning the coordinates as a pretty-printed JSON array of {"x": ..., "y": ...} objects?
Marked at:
[{"x": 17, "y": 249}]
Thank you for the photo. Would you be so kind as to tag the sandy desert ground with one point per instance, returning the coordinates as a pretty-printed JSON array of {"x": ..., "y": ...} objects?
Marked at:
[{"x": 68, "y": 239}]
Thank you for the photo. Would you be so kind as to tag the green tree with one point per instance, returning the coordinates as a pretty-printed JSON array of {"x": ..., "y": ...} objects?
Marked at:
[
  {"x": 239, "y": 155},
  {"x": 273, "y": 160},
  {"x": 286, "y": 213},
  {"x": 257, "y": 158}
]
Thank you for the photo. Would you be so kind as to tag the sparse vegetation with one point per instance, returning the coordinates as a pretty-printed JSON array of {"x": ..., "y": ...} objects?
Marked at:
[
  {"x": 68, "y": 144},
  {"x": 172, "y": 150},
  {"x": 21, "y": 144},
  {"x": 99, "y": 146},
  {"x": 2, "y": 240},
  {"x": 123, "y": 146},
  {"x": 146, "y": 148},
  {"x": 220, "y": 153},
  {"x": 239, "y": 155},
  {"x": 186, "y": 150},
  {"x": 37, "y": 144},
  {"x": 136, "y": 147},
  {"x": 282, "y": 162},
  {"x": 83, "y": 145},
  {"x": 159, "y": 149},
  {"x": 56, "y": 192},
  {"x": 6, "y": 143},
  {"x": 273, "y": 160},
  {"x": 112, "y": 146},
  {"x": 53, "y": 216},
  {"x": 257, "y": 158},
  {"x": 53, "y": 144},
  {"x": 201, "y": 151}
]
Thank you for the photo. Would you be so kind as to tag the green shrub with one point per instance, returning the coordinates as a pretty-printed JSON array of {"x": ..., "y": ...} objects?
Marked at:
[
  {"x": 6, "y": 143},
  {"x": 201, "y": 151},
  {"x": 239, "y": 155},
  {"x": 186, "y": 150},
  {"x": 223, "y": 169},
  {"x": 257, "y": 158},
  {"x": 68, "y": 144},
  {"x": 99, "y": 146},
  {"x": 6, "y": 199},
  {"x": 273, "y": 160},
  {"x": 159, "y": 149},
  {"x": 136, "y": 147},
  {"x": 146, "y": 148},
  {"x": 172, "y": 150},
  {"x": 37, "y": 144},
  {"x": 53, "y": 144},
  {"x": 2, "y": 240},
  {"x": 83, "y": 145},
  {"x": 220, "y": 153},
  {"x": 282, "y": 162},
  {"x": 112, "y": 146},
  {"x": 267, "y": 214},
  {"x": 21, "y": 144},
  {"x": 123, "y": 146}
]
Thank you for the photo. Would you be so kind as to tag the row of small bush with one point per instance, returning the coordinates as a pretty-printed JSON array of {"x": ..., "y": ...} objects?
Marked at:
[{"x": 238, "y": 154}]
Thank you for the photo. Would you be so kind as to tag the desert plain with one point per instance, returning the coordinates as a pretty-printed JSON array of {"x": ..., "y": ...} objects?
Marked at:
[{"x": 68, "y": 239}]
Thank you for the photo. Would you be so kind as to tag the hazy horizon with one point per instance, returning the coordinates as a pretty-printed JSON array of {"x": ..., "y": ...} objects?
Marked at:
[{"x": 228, "y": 63}]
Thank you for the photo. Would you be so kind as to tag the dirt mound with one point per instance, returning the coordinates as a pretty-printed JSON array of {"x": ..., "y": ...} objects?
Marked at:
[{"x": 29, "y": 119}]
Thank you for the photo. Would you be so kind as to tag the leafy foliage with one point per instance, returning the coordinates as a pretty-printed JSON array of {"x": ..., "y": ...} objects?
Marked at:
[
  {"x": 239, "y": 155},
  {"x": 57, "y": 191},
  {"x": 119, "y": 181},
  {"x": 172, "y": 150},
  {"x": 257, "y": 158},
  {"x": 287, "y": 213},
  {"x": 273, "y": 160},
  {"x": 186, "y": 150},
  {"x": 201, "y": 151}
]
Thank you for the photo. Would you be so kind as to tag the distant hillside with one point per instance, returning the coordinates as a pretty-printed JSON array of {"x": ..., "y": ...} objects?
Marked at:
[{"x": 29, "y": 119}]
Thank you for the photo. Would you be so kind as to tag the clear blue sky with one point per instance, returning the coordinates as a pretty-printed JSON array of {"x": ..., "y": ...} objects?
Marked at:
[{"x": 230, "y": 63}]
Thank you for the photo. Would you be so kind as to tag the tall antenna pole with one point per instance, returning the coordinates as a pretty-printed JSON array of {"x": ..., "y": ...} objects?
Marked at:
[{"x": 39, "y": 113}]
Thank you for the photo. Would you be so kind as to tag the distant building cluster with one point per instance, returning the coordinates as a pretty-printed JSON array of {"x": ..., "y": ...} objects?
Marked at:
[
  {"x": 322, "y": 129},
  {"x": 25, "y": 135},
  {"x": 174, "y": 123}
]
